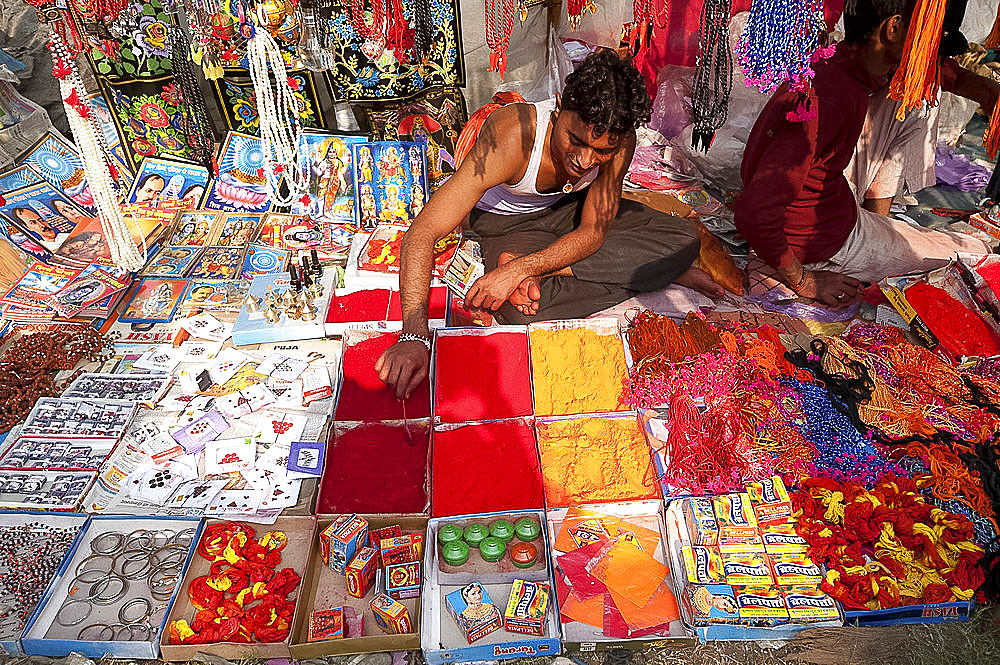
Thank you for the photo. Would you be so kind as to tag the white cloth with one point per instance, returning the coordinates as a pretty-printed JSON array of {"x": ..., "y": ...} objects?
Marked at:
[
  {"x": 891, "y": 154},
  {"x": 880, "y": 246}
]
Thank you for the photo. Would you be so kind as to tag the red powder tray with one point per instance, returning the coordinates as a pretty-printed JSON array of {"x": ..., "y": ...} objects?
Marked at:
[
  {"x": 375, "y": 468},
  {"x": 362, "y": 397},
  {"x": 481, "y": 374},
  {"x": 484, "y": 468}
]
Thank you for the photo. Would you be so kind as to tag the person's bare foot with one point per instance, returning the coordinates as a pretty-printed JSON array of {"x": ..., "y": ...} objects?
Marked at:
[
  {"x": 698, "y": 279},
  {"x": 527, "y": 294}
]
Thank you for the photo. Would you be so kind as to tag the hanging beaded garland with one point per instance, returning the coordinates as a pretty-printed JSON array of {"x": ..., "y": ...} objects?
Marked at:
[
  {"x": 713, "y": 75},
  {"x": 387, "y": 29},
  {"x": 575, "y": 9},
  {"x": 31, "y": 361},
  {"x": 499, "y": 26},
  {"x": 195, "y": 124},
  {"x": 423, "y": 29},
  {"x": 781, "y": 42},
  {"x": 280, "y": 130}
]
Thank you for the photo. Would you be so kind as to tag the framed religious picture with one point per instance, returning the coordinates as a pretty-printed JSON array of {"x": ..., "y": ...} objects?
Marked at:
[
  {"x": 241, "y": 185},
  {"x": 43, "y": 213},
  {"x": 154, "y": 301},
  {"x": 327, "y": 160},
  {"x": 59, "y": 162},
  {"x": 390, "y": 180},
  {"x": 194, "y": 228},
  {"x": 171, "y": 261},
  {"x": 238, "y": 229},
  {"x": 164, "y": 179},
  {"x": 18, "y": 177},
  {"x": 434, "y": 117}
]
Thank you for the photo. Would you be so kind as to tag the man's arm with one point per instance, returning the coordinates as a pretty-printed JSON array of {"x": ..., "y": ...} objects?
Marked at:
[
  {"x": 599, "y": 209},
  {"x": 966, "y": 83},
  {"x": 495, "y": 158}
]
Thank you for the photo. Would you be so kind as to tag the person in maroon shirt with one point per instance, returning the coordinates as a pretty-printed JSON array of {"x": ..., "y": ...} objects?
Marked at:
[{"x": 797, "y": 210}]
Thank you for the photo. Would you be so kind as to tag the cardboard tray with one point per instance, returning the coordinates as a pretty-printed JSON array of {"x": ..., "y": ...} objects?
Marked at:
[
  {"x": 35, "y": 639},
  {"x": 440, "y": 637},
  {"x": 677, "y": 537},
  {"x": 600, "y": 325},
  {"x": 301, "y": 534},
  {"x": 322, "y": 588},
  {"x": 63, "y": 520},
  {"x": 474, "y": 332},
  {"x": 614, "y": 415},
  {"x": 580, "y": 637}
]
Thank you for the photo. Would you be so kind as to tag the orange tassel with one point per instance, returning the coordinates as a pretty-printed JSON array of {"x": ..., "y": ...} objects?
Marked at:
[
  {"x": 991, "y": 138},
  {"x": 916, "y": 79},
  {"x": 993, "y": 40}
]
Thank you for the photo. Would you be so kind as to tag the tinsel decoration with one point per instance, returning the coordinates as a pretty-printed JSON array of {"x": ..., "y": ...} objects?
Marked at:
[
  {"x": 499, "y": 26},
  {"x": 780, "y": 43},
  {"x": 918, "y": 75},
  {"x": 195, "y": 125},
  {"x": 713, "y": 75},
  {"x": 575, "y": 9}
]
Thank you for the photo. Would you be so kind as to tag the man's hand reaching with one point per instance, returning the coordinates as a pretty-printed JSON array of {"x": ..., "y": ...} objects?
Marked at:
[
  {"x": 494, "y": 288},
  {"x": 403, "y": 366}
]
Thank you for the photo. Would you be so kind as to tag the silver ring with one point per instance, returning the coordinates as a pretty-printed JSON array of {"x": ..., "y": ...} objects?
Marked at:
[
  {"x": 70, "y": 602},
  {"x": 119, "y": 543},
  {"x": 841, "y": 296},
  {"x": 124, "y": 609},
  {"x": 132, "y": 573},
  {"x": 132, "y": 627},
  {"x": 95, "y": 557},
  {"x": 98, "y": 597},
  {"x": 96, "y": 575},
  {"x": 97, "y": 638}
]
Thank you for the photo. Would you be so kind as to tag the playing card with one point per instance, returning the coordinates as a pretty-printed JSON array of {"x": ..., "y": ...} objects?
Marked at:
[
  {"x": 257, "y": 479},
  {"x": 206, "y": 326},
  {"x": 276, "y": 427},
  {"x": 258, "y": 396},
  {"x": 199, "y": 350},
  {"x": 284, "y": 494},
  {"x": 196, "y": 494},
  {"x": 305, "y": 459},
  {"x": 154, "y": 484},
  {"x": 229, "y": 455},
  {"x": 159, "y": 359},
  {"x": 287, "y": 394},
  {"x": 281, "y": 367},
  {"x": 234, "y": 502},
  {"x": 194, "y": 436},
  {"x": 316, "y": 384},
  {"x": 228, "y": 362},
  {"x": 179, "y": 400},
  {"x": 162, "y": 448}
]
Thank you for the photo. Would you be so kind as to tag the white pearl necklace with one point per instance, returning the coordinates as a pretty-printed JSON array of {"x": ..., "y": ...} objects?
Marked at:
[
  {"x": 278, "y": 113},
  {"x": 93, "y": 154}
]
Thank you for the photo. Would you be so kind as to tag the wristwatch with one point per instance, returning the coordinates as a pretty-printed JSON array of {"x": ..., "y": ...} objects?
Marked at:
[{"x": 410, "y": 337}]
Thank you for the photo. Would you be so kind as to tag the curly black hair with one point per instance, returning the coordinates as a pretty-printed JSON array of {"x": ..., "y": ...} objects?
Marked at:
[{"x": 608, "y": 93}]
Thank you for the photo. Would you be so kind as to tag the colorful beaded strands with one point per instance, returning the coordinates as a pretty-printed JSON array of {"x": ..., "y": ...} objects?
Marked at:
[
  {"x": 575, "y": 9},
  {"x": 917, "y": 77},
  {"x": 781, "y": 42},
  {"x": 713, "y": 75},
  {"x": 195, "y": 124}
]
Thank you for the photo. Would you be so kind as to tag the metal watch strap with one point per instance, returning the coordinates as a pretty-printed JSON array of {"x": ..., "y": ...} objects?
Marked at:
[{"x": 410, "y": 337}]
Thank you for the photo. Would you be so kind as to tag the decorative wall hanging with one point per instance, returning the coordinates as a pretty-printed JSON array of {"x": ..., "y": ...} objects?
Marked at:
[
  {"x": 148, "y": 116},
  {"x": 234, "y": 94},
  {"x": 144, "y": 50},
  {"x": 366, "y": 73},
  {"x": 434, "y": 117}
]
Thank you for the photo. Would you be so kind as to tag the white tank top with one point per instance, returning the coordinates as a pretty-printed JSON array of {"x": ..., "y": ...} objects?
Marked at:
[{"x": 523, "y": 197}]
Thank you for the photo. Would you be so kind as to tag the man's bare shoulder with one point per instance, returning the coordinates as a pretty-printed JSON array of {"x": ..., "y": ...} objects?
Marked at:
[{"x": 510, "y": 128}]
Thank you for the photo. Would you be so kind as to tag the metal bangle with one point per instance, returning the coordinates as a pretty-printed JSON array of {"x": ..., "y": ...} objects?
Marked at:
[
  {"x": 184, "y": 537},
  {"x": 97, "y": 638},
  {"x": 98, "y": 576},
  {"x": 116, "y": 632},
  {"x": 132, "y": 627},
  {"x": 182, "y": 552},
  {"x": 145, "y": 614},
  {"x": 95, "y": 557},
  {"x": 119, "y": 543},
  {"x": 166, "y": 535},
  {"x": 98, "y": 598},
  {"x": 159, "y": 610},
  {"x": 69, "y": 603},
  {"x": 143, "y": 567},
  {"x": 139, "y": 535}
]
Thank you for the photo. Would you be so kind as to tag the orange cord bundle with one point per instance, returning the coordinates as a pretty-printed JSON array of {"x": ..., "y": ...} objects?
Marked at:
[
  {"x": 947, "y": 477},
  {"x": 993, "y": 40},
  {"x": 991, "y": 137},
  {"x": 917, "y": 77}
]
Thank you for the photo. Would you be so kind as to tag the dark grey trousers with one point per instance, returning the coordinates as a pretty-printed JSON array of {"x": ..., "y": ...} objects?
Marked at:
[{"x": 644, "y": 250}]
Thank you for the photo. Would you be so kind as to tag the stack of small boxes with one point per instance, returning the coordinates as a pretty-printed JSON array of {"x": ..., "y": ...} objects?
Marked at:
[
  {"x": 384, "y": 560},
  {"x": 747, "y": 565}
]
